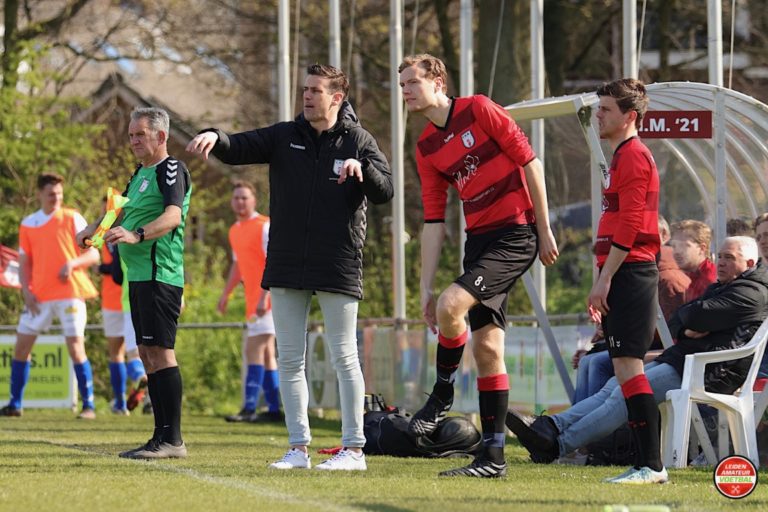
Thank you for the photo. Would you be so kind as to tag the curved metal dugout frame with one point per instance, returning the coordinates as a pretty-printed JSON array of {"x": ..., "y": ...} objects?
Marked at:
[{"x": 736, "y": 151}]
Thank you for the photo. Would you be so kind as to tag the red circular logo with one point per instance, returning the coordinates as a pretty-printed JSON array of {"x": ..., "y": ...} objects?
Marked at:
[{"x": 735, "y": 477}]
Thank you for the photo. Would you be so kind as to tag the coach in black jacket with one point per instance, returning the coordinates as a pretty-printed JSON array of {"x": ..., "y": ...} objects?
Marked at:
[
  {"x": 323, "y": 167},
  {"x": 317, "y": 226}
]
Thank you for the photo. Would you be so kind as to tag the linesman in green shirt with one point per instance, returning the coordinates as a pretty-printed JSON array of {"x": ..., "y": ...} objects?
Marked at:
[{"x": 151, "y": 238}]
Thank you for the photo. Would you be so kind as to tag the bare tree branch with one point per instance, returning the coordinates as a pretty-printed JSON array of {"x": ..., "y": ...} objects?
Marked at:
[{"x": 52, "y": 25}]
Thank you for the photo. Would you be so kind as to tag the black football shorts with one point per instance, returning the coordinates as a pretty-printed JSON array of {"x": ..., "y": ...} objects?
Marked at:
[
  {"x": 493, "y": 262},
  {"x": 155, "y": 310},
  {"x": 630, "y": 323}
]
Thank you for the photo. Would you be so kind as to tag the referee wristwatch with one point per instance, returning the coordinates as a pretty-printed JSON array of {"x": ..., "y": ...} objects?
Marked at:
[{"x": 140, "y": 232}]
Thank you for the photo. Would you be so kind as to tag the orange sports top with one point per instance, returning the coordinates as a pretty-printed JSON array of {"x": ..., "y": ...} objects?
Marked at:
[
  {"x": 111, "y": 292},
  {"x": 48, "y": 241},
  {"x": 249, "y": 240}
]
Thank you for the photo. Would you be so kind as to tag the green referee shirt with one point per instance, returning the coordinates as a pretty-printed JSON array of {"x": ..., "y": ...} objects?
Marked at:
[{"x": 150, "y": 191}]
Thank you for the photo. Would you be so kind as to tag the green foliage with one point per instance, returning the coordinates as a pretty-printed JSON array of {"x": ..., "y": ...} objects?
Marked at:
[
  {"x": 11, "y": 305},
  {"x": 209, "y": 358},
  {"x": 570, "y": 279},
  {"x": 37, "y": 135}
]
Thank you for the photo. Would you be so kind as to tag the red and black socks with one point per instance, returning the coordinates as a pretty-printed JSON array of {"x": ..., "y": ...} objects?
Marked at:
[
  {"x": 643, "y": 421},
  {"x": 449, "y": 352},
  {"x": 494, "y": 397}
]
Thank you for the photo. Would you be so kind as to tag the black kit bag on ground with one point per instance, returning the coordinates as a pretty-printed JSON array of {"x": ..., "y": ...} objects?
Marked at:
[
  {"x": 456, "y": 436},
  {"x": 616, "y": 449},
  {"x": 386, "y": 433}
]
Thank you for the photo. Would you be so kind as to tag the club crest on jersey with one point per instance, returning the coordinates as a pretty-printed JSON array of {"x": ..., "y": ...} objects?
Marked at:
[
  {"x": 468, "y": 139},
  {"x": 144, "y": 185}
]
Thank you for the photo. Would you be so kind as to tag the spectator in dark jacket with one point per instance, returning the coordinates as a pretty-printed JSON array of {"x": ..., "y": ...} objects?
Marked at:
[
  {"x": 726, "y": 316},
  {"x": 323, "y": 168}
]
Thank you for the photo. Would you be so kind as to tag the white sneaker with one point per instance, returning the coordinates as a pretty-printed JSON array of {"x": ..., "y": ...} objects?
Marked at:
[
  {"x": 345, "y": 460},
  {"x": 293, "y": 459},
  {"x": 644, "y": 475}
]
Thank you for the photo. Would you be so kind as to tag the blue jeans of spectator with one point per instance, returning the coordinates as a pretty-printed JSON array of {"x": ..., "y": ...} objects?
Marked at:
[
  {"x": 594, "y": 371},
  {"x": 599, "y": 415},
  {"x": 762, "y": 373},
  {"x": 290, "y": 310}
]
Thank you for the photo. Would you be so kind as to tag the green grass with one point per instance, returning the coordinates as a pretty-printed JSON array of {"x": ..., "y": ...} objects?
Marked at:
[{"x": 50, "y": 461}]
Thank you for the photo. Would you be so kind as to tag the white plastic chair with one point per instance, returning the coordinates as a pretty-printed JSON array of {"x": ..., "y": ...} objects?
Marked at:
[
  {"x": 739, "y": 407},
  {"x": 761, "y": 400}
]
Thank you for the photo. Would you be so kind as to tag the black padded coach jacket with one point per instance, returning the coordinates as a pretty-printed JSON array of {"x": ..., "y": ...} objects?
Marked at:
[{"x": 317, "y": 227}]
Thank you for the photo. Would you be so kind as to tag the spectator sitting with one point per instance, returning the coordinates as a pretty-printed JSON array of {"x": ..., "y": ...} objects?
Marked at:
[
  {"x": 738, "y": 227},
  {"x": 726, "y": 316},
  {"x": 673, "y": 281},
  {"x": 594, "y": 367},
  {"x": 690, "y": 241},
  {"x": 761, "y": 235}
]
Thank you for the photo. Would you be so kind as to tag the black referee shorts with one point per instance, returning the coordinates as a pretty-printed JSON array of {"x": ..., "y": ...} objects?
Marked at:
[
  {"x": 630, "y": 323},
  {"x": 155, "y": 310},
  {"x": 493, "y": 261}
]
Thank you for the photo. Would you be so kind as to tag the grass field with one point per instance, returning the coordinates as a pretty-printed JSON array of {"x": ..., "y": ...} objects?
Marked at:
[{"x": 50, "y": 461}]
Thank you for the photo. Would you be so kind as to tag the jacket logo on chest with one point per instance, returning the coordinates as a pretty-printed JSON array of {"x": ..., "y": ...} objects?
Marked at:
[
  {"x": 468, "y": 139},
  {"x": 337, "y": 165},
  {"x": 144, "y": 185},
  {"x": 448, "y": 138},
  {"x": 297, "y": 146}
]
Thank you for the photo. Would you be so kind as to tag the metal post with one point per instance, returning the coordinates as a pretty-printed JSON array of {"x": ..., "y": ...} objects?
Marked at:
[
  {"x": 334, "y": 39},
  {"x": 283, "y": 61},
  {"x": 396, "y": 113},
  {"x": 466, "y": 88},
  {"x": 715, "y": 41},
  {"x": 537, "y": 142},
  {"x": 537, "y": 125},
  {"x": 721, "y": 188},
  {"x": 629, "y": 38}
]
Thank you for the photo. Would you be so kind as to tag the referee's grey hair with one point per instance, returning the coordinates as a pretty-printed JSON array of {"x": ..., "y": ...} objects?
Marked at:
[{"x": 158, "y": 118}]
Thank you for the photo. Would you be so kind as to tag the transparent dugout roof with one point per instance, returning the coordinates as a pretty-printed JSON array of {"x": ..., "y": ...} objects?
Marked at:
[{"x": 709, "y": 144}]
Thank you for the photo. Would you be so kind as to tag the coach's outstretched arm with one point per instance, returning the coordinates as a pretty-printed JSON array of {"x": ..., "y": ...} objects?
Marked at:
[{"x": 251, "y": 147}]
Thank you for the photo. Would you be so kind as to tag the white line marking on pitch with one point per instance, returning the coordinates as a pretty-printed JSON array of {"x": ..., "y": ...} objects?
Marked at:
[{"x": 315, "y": 504}]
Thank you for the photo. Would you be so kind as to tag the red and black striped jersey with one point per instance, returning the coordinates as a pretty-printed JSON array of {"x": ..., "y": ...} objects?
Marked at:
[
  {"x": 481, "y": 152},
  {"x": 630, "y": 218}
]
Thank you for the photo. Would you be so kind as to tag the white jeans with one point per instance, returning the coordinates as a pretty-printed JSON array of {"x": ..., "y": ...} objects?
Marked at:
[{"x": 290, "y": 309}]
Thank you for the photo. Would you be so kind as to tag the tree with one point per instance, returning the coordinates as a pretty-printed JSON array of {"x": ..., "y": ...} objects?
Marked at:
[{"x": 14, "y": 37}]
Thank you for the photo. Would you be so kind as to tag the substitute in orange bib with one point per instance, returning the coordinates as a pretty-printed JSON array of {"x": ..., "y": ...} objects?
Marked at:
[
  {"x": 54, "y": 283},
  {"x": 248, "y": 238}
]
